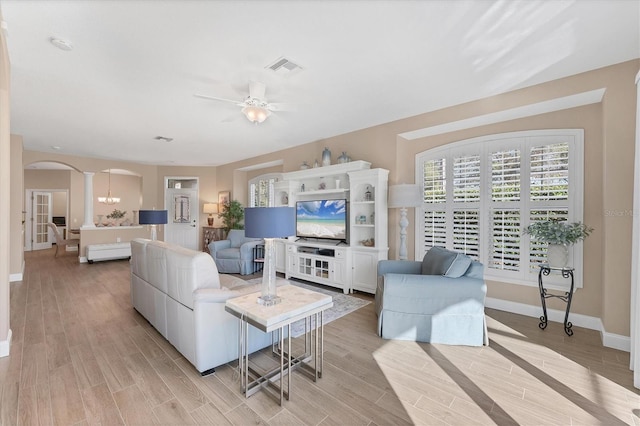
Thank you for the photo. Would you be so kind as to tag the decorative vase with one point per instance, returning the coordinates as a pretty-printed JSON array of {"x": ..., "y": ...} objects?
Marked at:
[
  {"x": 326, "y": 157},
  {"x": 343, "y": 158},
  {"x": 557, "y": 255},
  {"x": 316, "y": 164},
  {"x": 304, "y": 166},
  {"x": 100, "y": 216}
]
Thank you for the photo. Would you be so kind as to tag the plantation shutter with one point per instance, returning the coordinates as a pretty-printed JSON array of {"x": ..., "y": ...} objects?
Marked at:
[
  {"x": 435, "y": 196},
  {"x": 504, "y": 244},
  {"x": 435, "y": 229},
  {"x": 466, "y": 232}
]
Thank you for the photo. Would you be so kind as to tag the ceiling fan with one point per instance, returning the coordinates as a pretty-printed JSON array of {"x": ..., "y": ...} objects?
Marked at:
[{"x": 255, "y": 106}]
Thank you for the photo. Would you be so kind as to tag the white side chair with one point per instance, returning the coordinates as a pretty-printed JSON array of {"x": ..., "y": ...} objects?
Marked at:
[{"x": 61, "y": 242}]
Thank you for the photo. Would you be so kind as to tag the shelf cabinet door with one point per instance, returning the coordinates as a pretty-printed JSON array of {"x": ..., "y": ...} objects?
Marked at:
[{"x": 365, "y": 266}]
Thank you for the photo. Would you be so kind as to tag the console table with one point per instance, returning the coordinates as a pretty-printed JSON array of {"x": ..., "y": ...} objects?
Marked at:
[
  {"x": 566, "y": 272},
  {"x": 209, "y": 234},
  {"x": 297, "y": 303}
]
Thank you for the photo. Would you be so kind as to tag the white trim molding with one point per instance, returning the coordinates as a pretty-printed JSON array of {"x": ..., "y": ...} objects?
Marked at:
[
  {"x": 5, "y": 345},
  {"x": 17, "y": 277},
  {"x": 552, "y": 105},
  {"x": 610, "y": 340}
]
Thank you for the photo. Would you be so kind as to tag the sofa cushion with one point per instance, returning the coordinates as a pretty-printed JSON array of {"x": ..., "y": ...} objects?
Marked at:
[
  {"x": 236, "y": 236},
  {"x": 228, "y": 253},
  {"x": 459, "y": 266},
  {"x": 437, "y": 261}
]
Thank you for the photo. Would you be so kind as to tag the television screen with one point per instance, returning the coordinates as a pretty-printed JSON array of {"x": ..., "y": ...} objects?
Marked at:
[{"x": 322, "y": 219}]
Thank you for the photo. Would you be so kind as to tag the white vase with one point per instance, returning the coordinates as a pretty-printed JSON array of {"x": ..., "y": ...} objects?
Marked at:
[{"x": 557, "y": 255}]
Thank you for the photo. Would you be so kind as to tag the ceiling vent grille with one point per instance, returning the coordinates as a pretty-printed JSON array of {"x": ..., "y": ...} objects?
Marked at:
[{"x": 284, "y": 66}]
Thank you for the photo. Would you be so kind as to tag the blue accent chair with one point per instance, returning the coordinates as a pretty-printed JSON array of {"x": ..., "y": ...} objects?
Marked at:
[
  {"x": 235, "y": 254},
  {"x": 438, "y": 300}
]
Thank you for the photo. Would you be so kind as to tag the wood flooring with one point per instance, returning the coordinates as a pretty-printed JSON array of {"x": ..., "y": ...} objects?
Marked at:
[{"x": 81, "y": 355}]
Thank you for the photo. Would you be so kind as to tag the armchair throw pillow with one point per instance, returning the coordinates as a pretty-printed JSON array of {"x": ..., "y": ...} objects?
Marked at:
[
  {"x": 437, "y": 261},
  {"x": 459, "y": 266}
]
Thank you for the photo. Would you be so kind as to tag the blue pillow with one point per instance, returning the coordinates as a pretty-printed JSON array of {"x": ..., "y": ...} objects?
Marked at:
[
  {"x": 437, "y": 261},
  {"x": 459, "y": 266}
]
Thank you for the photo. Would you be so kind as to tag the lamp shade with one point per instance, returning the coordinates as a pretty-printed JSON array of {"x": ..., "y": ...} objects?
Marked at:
[
  {"x": 211, "y": 208},
  {"x": 269, "y": 222},
  {"x": 153, "y": 217},
  {"x": 405, "y": 195}
]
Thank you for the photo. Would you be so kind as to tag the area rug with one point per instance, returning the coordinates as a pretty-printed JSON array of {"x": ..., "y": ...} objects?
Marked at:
[{"x": 343, "y": 304}]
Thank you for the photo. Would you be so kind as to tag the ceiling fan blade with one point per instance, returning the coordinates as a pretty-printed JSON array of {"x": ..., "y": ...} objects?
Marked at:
[
  {"x": 214, "y": 98},
  {"x": 257, "y": 90},
  {"x": 278, "y": 106}
]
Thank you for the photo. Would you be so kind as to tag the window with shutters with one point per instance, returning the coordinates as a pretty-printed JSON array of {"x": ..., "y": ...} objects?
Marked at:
[
  {"x": 494, "y": 187},
  {"x": 262, "y": 191}
]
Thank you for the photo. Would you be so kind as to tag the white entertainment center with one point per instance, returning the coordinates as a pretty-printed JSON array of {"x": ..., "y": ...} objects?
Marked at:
[{"x": 351, "y": 264}]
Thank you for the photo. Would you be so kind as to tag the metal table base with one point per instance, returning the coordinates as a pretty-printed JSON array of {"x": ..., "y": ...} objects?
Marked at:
[{"x": 545, "y": 270}]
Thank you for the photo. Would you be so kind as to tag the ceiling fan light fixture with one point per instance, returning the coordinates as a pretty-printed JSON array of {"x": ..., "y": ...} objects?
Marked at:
[{"x": 256, "y": 114}]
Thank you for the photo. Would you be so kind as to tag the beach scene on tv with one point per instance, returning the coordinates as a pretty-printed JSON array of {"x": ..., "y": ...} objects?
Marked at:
[{"x": 322, "y": 219}]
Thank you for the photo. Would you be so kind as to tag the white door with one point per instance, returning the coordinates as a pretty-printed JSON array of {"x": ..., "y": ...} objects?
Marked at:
[
  {"x": 41, "y": 236},
  {"x": 182, "y": 226}
]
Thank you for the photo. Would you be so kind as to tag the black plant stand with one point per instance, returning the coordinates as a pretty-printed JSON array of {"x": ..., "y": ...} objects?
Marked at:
[{"x": 566, "y": 272}]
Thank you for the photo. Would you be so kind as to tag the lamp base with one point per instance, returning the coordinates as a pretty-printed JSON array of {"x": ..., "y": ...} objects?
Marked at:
[
  {"x": 269, "y": 300},
  {"x": 210, "y": 221}
]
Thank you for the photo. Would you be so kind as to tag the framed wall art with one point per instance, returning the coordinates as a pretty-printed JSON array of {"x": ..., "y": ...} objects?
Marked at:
[{"x": 224, "y": 197}]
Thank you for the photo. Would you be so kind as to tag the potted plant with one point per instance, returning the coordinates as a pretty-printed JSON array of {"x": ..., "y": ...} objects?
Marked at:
[
  {"x": 558, "y": 235},
  {"x": 232, "y": 215}
]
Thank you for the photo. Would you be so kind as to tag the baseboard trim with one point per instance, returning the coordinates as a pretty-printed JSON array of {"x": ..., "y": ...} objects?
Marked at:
[
  {"x": 5, "y": 345},
  {"x": 610, "y": 340},
  {"x": 17, "y": 277},
  {"x": 616, "y": 341}
]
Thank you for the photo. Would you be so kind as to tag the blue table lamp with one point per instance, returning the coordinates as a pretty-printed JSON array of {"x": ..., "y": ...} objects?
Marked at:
[
  {"x": 269, "y": 223},
  {"x": 153, "y": 218}
]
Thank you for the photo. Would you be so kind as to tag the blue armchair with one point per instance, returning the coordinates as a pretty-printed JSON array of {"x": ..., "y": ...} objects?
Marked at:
[
  {"x": 438, "y": 300},
  {"x": 235, "y": 254}
]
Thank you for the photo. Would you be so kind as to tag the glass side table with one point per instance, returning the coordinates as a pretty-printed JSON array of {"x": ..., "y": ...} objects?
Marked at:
[{"x": 566, "y": 272}]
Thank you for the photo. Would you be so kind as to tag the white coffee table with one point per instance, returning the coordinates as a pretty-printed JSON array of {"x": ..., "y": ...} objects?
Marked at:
[{"x": 297, "y": 303}]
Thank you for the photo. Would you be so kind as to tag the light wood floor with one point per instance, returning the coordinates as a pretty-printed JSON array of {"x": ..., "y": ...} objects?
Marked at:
[{"x": 81, "y": 355}]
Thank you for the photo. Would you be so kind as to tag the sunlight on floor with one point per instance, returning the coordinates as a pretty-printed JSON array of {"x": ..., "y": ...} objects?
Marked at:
[{"x": 514, "y": 380}]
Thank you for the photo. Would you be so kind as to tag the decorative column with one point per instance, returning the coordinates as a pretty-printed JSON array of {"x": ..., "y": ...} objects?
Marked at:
[{"x": 88, "y": 200}]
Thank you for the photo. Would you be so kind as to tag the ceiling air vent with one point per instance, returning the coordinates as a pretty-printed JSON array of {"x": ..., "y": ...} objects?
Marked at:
[
  {"x": 284, "y": 66},
  {"x": 163, "y": 138}
]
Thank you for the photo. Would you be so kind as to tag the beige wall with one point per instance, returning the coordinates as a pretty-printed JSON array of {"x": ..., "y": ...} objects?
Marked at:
[
  {"x": 17, "y": 196},
  {"x": 147, "y": 174},
  {"x": 7, "y": 239}
]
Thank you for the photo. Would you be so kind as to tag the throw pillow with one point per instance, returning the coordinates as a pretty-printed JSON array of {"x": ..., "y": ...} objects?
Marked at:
[
  {"x": 437, "y": 261},
  {"x": 459, "y": 266}
]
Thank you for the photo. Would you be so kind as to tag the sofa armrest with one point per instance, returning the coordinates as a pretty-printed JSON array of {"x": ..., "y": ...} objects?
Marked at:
[
  {"x": 213, "y": 295},
  {"x": 246, "y": 249},
  {"x": 218, "y": 245},
  {"x": 399, "y": 267},
  {"x": 432, "y": 294}
]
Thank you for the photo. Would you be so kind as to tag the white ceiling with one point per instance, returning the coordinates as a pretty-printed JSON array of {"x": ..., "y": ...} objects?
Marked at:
[{"x": 135, "y": 66}]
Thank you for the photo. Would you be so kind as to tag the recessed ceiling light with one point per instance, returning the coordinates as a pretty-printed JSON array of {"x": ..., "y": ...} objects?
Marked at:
[
  {"x": 61, "y": 44},
  {"x": 56, "y": 147}
]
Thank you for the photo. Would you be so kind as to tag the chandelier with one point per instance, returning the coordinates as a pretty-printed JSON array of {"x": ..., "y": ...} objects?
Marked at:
[
  {"x": 255, "y": 110},
  {"x": 109, "y": 199}
]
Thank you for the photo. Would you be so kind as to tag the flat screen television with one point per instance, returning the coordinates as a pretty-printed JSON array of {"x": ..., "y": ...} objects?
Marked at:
[{"x": 322, "y": 219}]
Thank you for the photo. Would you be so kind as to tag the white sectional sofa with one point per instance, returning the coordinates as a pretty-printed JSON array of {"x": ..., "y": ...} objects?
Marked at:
[{"x": 179, "y": 291}]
